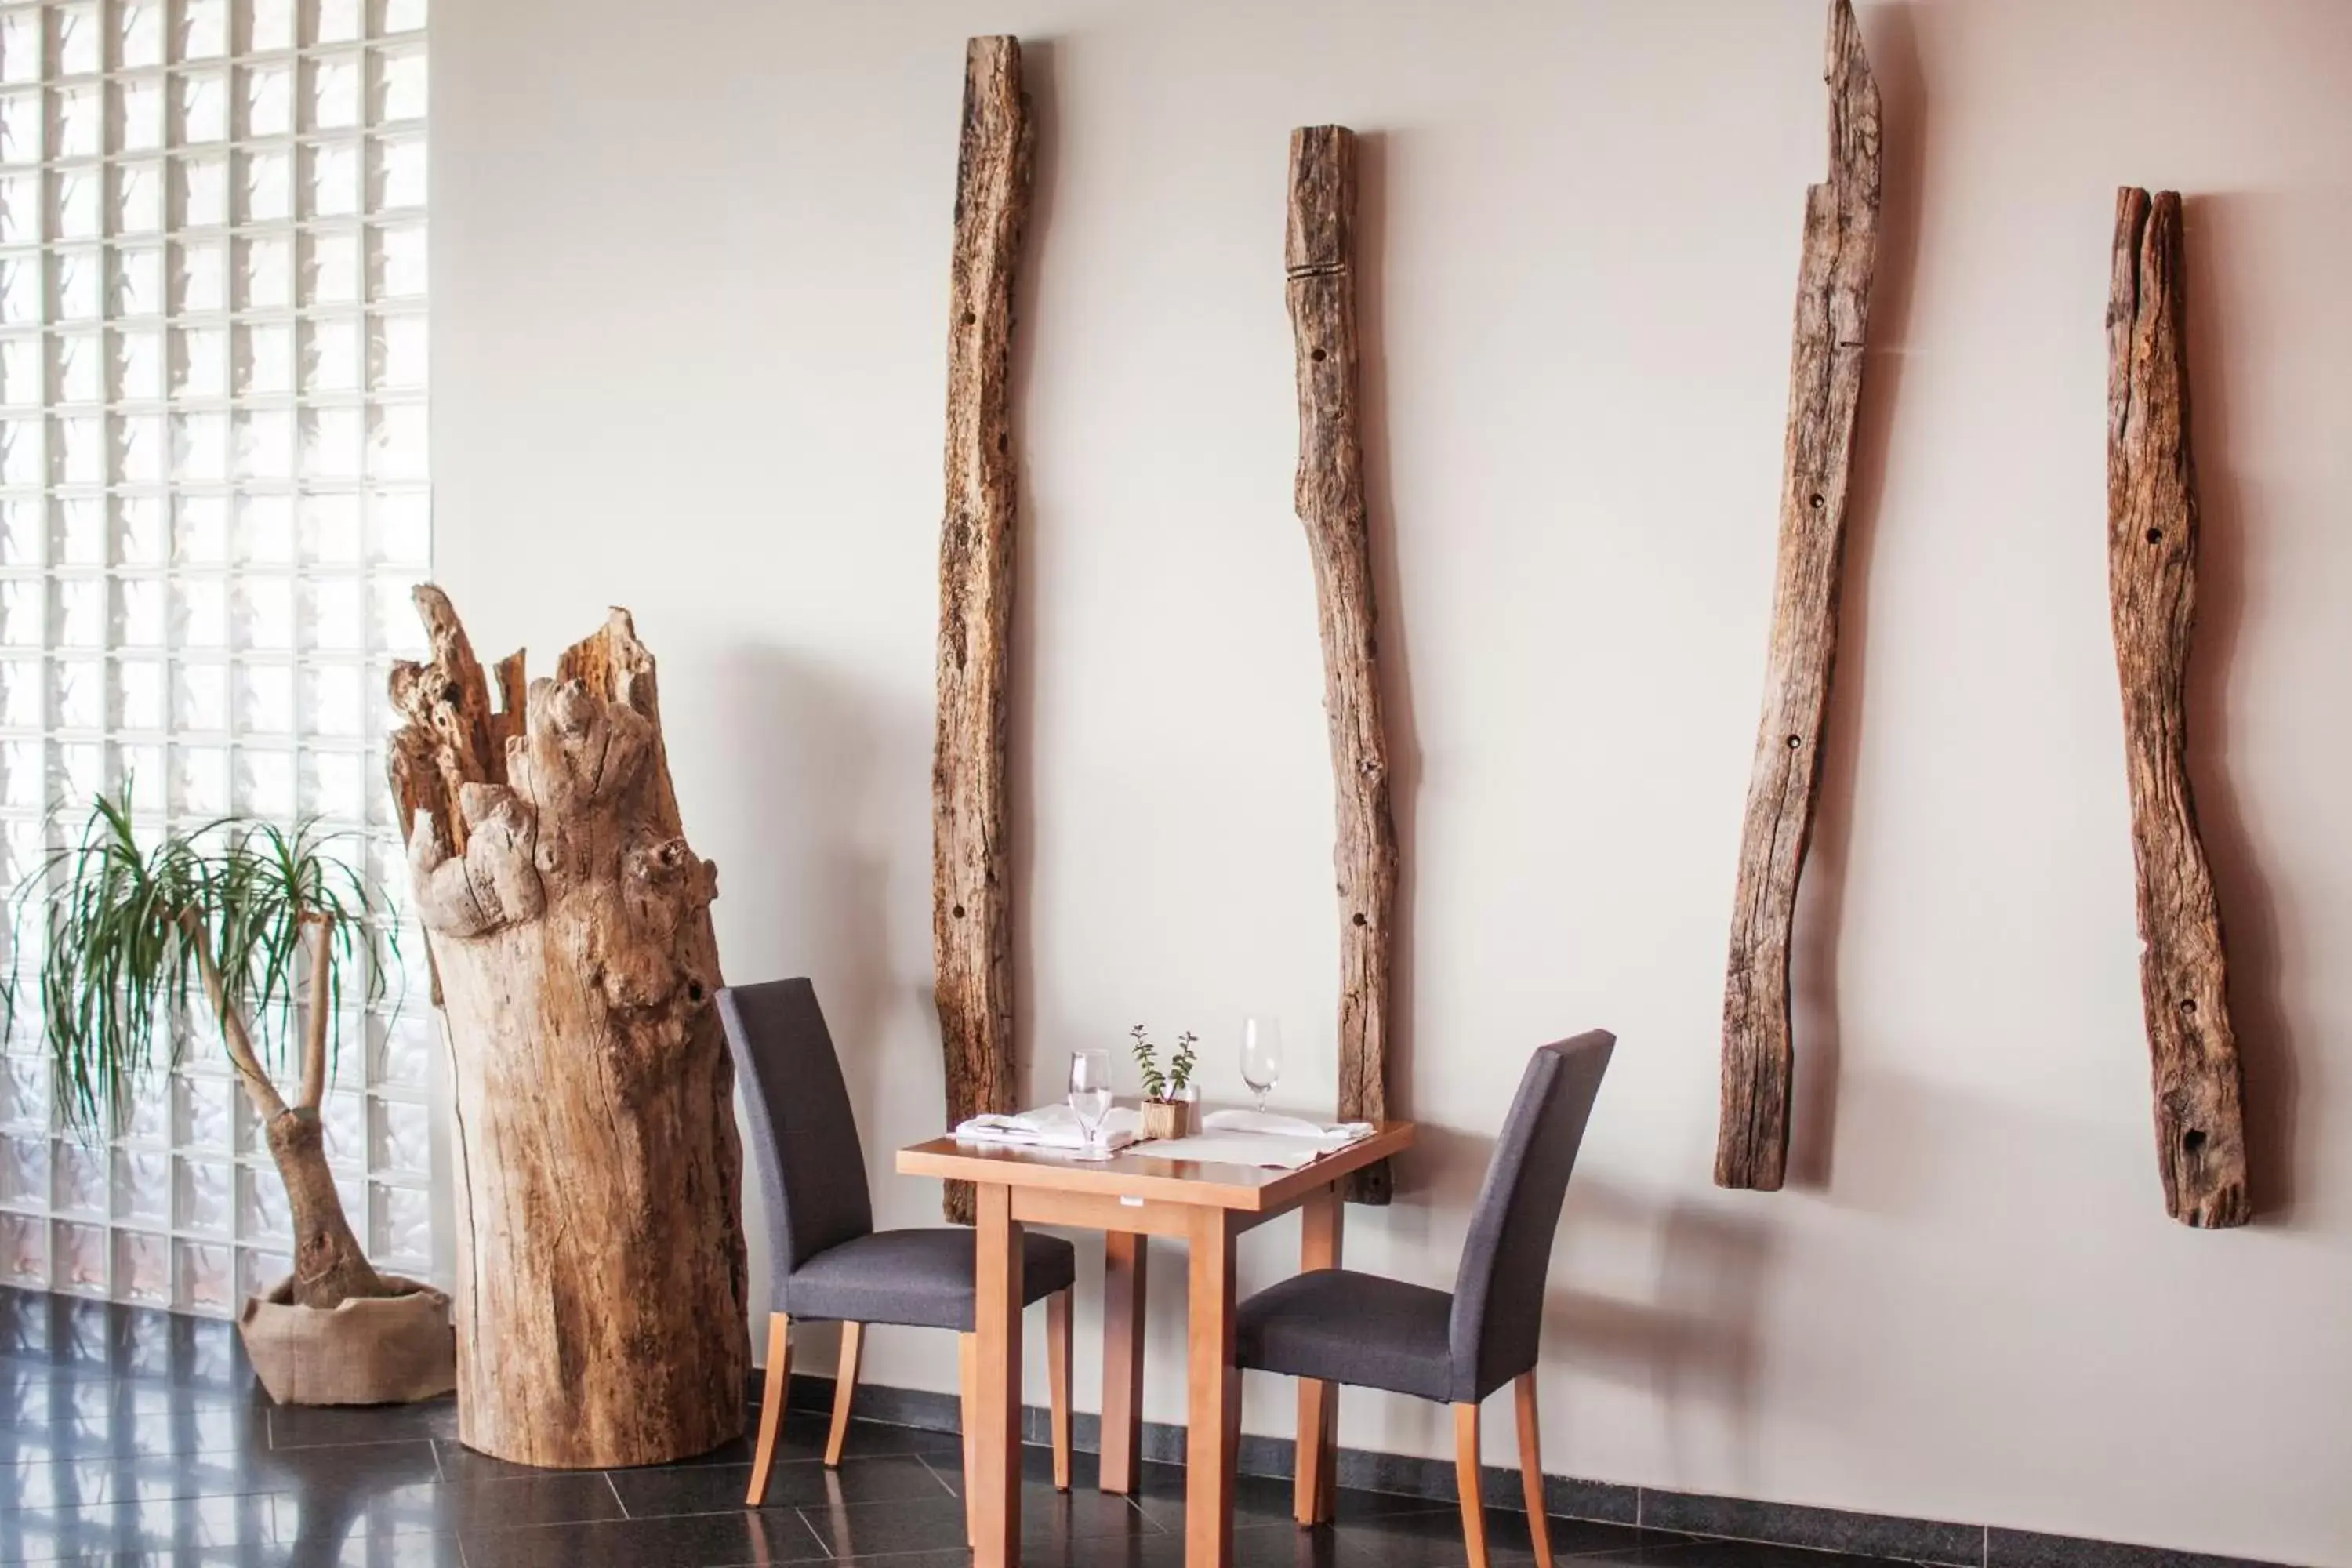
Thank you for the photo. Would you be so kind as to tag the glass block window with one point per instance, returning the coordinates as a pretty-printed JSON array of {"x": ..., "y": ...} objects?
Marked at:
[{"x": 213, "y": 505}]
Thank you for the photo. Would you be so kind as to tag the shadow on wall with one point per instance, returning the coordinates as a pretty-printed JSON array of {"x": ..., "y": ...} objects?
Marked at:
[
  {"x": 2228, "y": 548},
  {"x": 1440, "y": 1174},
  {"x": 808, "y": 759},
  {"x": 1894, "y": 49},
  {"x": 1037, "y": 62},
  {"x": 1690, "y": 1342},
  {"x": 1373, "y": 150}
]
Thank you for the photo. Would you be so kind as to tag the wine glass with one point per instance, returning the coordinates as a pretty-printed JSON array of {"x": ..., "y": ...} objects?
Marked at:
[
  {"x": 1090, "y": 1094},
  {"x": 1261, "y": 1056}
]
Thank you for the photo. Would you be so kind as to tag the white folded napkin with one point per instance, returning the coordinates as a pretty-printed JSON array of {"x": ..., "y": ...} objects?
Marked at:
[
  {"x": 1274, "y": 1124},
  {"x": 1050, "y": 1127}
]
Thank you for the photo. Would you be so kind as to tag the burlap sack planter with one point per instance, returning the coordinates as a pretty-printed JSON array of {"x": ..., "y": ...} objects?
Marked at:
[{"x": 381, "y": 1350}]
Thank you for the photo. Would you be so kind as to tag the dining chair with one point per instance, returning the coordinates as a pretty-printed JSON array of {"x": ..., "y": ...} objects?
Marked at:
[
  {"x": 1337, "y": 1326},
  {"x": 829, "y": 1263}
]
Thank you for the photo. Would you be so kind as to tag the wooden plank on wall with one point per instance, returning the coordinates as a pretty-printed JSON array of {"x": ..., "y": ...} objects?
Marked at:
[
  {"x": 2152, "y": 587},
  {"x": 1824, "y": 391},
  {"x": 972, "y": 891},
  {"x": 1319, "y": 256}
]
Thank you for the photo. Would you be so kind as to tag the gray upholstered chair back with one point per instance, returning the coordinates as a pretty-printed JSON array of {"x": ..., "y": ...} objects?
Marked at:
[
  {"x": 804, "y": 1134},
  {"x": 1498, "y": 1297}
]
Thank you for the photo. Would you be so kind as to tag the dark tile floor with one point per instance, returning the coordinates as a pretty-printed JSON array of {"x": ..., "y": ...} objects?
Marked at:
[{"x": 134, "y": 1436}]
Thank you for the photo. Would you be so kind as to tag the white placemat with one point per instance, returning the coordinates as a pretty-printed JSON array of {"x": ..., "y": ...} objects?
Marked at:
[
  {"x": 1274, "y": 1122},
  {"x": 1265, "y": 1149}
]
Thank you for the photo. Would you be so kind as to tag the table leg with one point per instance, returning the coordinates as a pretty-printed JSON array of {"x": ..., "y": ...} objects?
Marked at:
[
  {"x": 1214, "y": 1419},
  {"x": 1125, "y": 1257},
  {"x": 1316, "y": 1486},
  {"x": 1057, "y": 1378},
  {"x": 996, "y": 1322}
]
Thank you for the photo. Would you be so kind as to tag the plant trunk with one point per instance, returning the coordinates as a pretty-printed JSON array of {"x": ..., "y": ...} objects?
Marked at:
[{"x": 329, "y": 1268}]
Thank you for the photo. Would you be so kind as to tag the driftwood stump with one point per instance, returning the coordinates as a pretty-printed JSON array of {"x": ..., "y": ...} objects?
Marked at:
[
  {"x": 972, "y": 870},
  {"x": 600, "y": 1303},
  {"x": 1841, "y": 248},
  {"x": 2200, "y": 1145},
  {"x": 1319, "y": 260}
]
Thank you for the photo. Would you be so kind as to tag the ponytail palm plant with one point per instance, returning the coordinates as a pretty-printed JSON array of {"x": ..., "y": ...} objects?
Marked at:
[{"x": 233, "y": 919}]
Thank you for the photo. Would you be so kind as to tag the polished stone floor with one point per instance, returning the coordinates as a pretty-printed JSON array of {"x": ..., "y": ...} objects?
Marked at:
[{"x": 137, "y": 1438}]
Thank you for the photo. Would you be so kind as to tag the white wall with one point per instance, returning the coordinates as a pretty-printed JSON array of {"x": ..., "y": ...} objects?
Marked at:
[{"x": 689, "y": 278}]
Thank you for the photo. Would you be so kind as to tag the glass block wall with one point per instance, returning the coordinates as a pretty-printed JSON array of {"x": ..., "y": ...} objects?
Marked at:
[{"x": 211, "y": 506}]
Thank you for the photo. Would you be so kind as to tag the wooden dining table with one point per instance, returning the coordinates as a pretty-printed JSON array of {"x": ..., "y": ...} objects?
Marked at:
[{"x": 1129, "y": 1197}]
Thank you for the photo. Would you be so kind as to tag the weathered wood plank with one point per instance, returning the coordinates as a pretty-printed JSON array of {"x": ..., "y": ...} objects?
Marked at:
[
  {"x": 2152, "y": 585},
  {"x": 1318, "y": 255},
  {"x": 1824, "y": 391},
  {"x": 971, "y": 874}
]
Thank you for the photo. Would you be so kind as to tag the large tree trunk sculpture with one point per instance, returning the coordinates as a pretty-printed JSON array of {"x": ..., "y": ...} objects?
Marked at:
[{"x": 600, "y": 1303}]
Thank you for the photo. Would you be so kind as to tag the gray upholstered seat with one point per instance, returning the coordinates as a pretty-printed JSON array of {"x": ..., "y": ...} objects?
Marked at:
[
  {"x": 1345, "y": 1327},
  {"x": 921, "y": 1277},
  {"x": 827, "y": 1259},
  {"x": 829, "y": 1263},
  {"x": 1337, "y": 1326}
]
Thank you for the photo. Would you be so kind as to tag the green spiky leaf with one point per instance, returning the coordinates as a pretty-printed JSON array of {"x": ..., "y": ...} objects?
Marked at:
[{"x": 118, "y": 964}]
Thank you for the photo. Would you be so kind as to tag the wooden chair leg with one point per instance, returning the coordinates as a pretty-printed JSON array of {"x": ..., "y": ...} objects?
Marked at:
[
  {"x": 845, "y": 1391},
  {"x": 1465, "y": 1480},
  {"x": 1531, "y": 1468},
  {"x": 772, "y": 1405},
  {"x": 968, "y": 1356},
  {"x": 1057, "y": 1364},
  {"x": 1313, "y": 1483}
]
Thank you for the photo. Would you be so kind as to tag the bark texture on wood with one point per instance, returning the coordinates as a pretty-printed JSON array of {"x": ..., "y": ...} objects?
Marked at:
[
  {"x": 1319, "y": 258},
  {"x": 971, "y": 871},
  {"x": 330, "y": 1266},
  {"x": 2200, "y": 1143},
  {"x": 1824, "y": 391},
  {"x": 601, "y": 1296}
]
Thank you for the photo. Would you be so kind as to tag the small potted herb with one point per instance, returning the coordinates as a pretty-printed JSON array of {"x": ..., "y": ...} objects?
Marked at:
[{"x": 1168, "y": 1106}]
